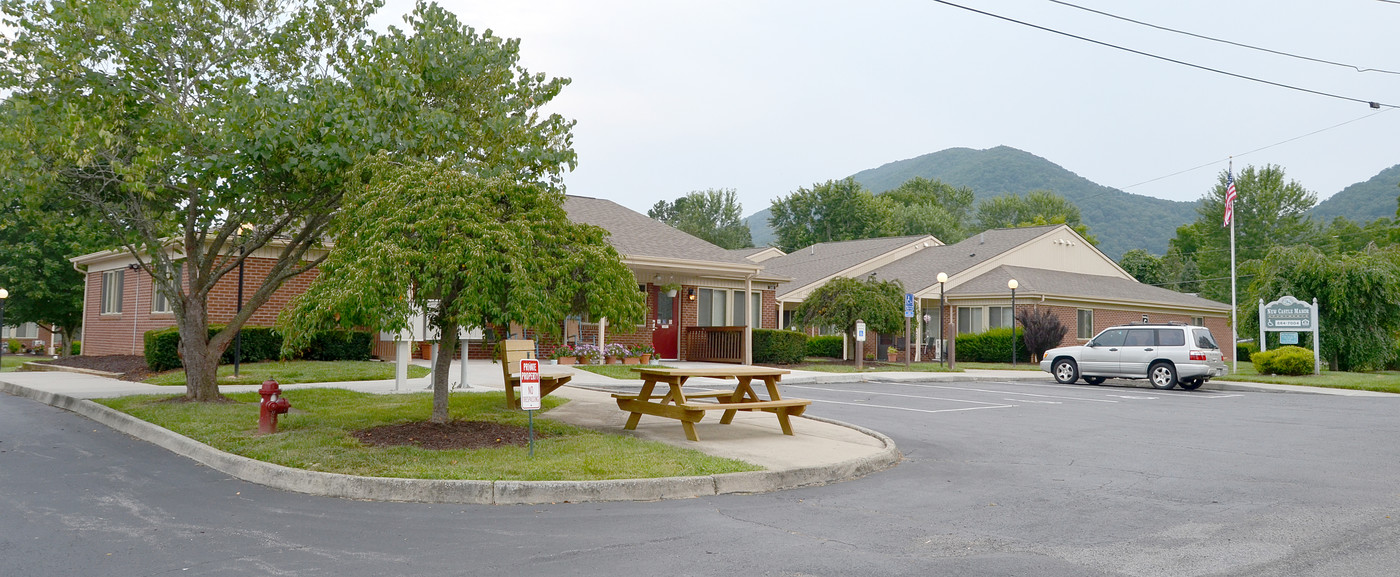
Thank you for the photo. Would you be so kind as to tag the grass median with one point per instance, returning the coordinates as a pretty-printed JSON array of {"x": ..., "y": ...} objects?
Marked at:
[
  {"x": 317, "y": 435},
  {"x": 1381, "y": 381}
]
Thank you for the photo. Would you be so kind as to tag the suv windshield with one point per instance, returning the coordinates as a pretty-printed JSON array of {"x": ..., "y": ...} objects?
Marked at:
[
  {"x": 1204, "y": 339},
  {"x": 1109, "y": 338}
]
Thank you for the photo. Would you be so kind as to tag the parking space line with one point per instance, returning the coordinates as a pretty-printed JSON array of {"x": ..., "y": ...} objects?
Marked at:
[
  {"x": 912, "y": 409},
  {"x": 810, "y": 388},
  {"x": 1000, "y": 392}
]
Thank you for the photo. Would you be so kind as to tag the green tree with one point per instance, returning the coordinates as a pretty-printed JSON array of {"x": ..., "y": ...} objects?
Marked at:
[
  {"x": 186, "y": 120},
  {"x": 842, "y": 301},
  {"x": 1144, "y": 266},
  {"x": 1358, "y": 296},
  {"x": 932, "y": 207},
  {"x": 1036, "y": 208},
  {"x": 1269, "y": 212},
  {"x": 713, "y": 215},
  {"x": 835, "y": 210},
  {"x": 473, "y": 251},
  {"x": 35, "y": 244}
]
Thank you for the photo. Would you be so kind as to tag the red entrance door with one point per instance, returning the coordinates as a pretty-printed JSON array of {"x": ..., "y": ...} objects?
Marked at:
[{"x": 666, "y": 336}]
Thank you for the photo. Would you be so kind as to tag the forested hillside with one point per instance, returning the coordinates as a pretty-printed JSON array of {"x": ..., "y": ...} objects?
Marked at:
[{"x": 1364, "y": 201}]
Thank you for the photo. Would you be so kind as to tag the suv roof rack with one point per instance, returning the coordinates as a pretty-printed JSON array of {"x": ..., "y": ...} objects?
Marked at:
[{"x": 1166, "y": 324}]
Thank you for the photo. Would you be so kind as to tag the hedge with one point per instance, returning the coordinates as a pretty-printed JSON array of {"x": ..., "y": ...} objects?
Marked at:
[
  {"x": 778, "y": 347},
  {"x": 1289, "y": 360},
  {"x": 828, "y": 346},
  {"x": 340, "y": 345},
  {"x": 993, "y": 346},
  {"x": 1246, "y": 351},
  {"x": 260, "y": 344}
]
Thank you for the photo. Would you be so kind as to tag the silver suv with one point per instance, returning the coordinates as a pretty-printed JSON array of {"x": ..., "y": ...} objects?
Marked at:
[{"x": 1167, "y": 354}]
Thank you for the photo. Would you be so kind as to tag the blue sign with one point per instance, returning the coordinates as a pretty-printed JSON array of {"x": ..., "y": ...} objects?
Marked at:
[
  {"x": 909, "y": 305},
  {"x": 1289, "y": 338}
]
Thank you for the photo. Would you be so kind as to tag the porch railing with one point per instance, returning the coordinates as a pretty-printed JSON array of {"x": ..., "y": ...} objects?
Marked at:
[{"x": 714, "y": 344}]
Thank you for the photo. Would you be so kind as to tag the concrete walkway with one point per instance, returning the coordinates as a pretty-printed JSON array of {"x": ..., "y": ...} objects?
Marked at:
[{"x": 821, "y": 451}]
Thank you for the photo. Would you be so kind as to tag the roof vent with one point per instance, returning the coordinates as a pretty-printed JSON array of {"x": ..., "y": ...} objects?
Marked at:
[{"x": 982, "y": 238}]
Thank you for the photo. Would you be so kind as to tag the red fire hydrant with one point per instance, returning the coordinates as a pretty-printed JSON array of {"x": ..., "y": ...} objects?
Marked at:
[{"x": 272, "y": 405}]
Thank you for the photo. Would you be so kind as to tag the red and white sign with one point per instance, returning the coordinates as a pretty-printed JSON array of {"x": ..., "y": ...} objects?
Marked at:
[{"x": 530, "y": 384}]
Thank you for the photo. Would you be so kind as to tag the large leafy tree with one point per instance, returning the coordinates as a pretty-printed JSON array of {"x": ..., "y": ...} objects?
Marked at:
[
  {"x": 1144, "y": 266},
  {"x": 471, "y": 250},
  {"x": 1036, "y": 208},
  {"x": 932, "y": 207},
  {"x": 842, "y": 301},
  {"x": 714, "y": 215},
  {"x": 1358, "y": 296},
  {"x": 205, "y": 130},
  {"x": 835, "y": 210},
  {"x": 1270, "y": 211},
  {"x": 35, "y": 244}
]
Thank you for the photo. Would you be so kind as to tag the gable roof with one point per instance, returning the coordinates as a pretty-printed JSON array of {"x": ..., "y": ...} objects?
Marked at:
[
  {"x": 821, "y": 261},
  {"x": 919, "y": 271},
  {"x": 648, "y": 243},
  {"x": 1079, "y": 287}
]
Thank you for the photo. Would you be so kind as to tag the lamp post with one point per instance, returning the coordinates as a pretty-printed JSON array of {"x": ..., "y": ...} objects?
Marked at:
[
  {"x": 942, "y": 350},
  {"x": 4, "y": 294},
  {"x": 1012, "y": 284}
]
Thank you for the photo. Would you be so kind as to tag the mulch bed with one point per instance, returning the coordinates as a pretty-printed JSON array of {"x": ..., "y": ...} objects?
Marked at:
[
  {"x": 131, "y": 367},
  {"x": 452, "y": 435}
]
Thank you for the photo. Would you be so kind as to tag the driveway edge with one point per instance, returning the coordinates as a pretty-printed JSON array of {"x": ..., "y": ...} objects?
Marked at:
[{"x": 467, "y": 491}]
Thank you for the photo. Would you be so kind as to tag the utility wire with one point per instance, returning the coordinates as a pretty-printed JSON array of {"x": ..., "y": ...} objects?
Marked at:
[
  {"x": 1371, "y": 103},
  {"x": 1222, "y": 41}
]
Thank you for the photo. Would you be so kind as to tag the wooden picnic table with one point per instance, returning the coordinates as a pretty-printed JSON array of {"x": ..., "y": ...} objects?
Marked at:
[
  {"x": 675, "y": 404},
  {"x": 549, "y": 381}
]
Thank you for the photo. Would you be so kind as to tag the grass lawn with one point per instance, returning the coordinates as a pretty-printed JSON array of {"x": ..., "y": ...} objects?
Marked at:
[
  {"x": 288, "y": 372},
  {"x": 315, "y": 435},
  {"x": 1383, "y": 381},
  {"x": 827, "y": 365},
  {"x": 12, "y": 362}
]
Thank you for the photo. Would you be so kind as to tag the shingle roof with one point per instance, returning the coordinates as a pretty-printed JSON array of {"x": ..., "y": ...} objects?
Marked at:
[
  {"x": 635, "y": 234},
  {"x": 821, "y": 260},
  {"x": 1034, "y": 281},
  {"x": 920, "y": 270}
]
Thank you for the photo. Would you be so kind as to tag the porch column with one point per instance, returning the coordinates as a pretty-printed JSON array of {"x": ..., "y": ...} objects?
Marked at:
[
  {"x": 602, "y": 332},
  {"x": 917, "y": 346},
  {"x": 748, "y": 322}
]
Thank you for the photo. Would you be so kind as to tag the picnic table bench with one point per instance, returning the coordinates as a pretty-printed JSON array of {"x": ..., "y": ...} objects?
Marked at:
[
  {"x": 511, "y": 352},
  {"x": 676, "y": 404}
]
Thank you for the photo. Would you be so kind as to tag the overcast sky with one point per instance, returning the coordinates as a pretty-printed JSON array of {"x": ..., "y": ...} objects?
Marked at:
[{"x": 767, "y": 96}]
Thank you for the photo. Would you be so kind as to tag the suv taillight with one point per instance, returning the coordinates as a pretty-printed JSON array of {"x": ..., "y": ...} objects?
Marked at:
[{"x": 1198, "y": 355}]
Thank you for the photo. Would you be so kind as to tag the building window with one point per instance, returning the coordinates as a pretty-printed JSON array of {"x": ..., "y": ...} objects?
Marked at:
[
  {"x": 713, "y": 305},
  {"x": 159, "y": 303},
  {"x": 741, "y": 309},
  {"x": 1000, "y": 317},
  {"x": 1198, "y": 321},
  {"x": 24, "y": 331},
  {"x": 969, "y": 320},
  {"x": 112, "y": 291},
  {"x": 1086, "y": 324}
]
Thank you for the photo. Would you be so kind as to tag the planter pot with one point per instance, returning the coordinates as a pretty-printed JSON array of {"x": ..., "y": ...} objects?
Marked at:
[
  {"x": 582, "y": 360},
  {"x": 611, "y": 360},
  {"x": 894, "y": 358},
  {"x": 646, "y": 359},
  {"x": 566, "y": 360},
  {"x": 671, "y": 293},
  {"x": 631, "y": 360}
]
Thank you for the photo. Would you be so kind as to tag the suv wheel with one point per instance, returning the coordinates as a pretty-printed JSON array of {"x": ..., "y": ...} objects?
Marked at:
[
  {"x": 1162, "y": 375},
  {"x": 1066, "y": 372},
  {"x": 1191, "y": 384}
]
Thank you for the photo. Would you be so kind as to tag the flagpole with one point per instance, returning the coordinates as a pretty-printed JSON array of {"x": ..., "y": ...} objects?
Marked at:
[{"x": 1234, "y": 305}]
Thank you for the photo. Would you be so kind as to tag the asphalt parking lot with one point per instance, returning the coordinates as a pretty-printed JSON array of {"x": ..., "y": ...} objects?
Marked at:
[{"x": 999, "y": 478}]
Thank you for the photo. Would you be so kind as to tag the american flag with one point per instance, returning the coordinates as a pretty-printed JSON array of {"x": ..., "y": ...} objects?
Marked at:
[{"x": 1230, "y": 195}]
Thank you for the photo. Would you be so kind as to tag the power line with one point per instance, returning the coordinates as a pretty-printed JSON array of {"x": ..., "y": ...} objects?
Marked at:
[
  {"x": 1230, "y": 42},
  {"x": 1371, "y": 103}
]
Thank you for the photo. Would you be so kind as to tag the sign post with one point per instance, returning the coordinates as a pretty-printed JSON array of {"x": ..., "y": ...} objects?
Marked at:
[
  {"x": 860, "y": 344},
  {"x": 908, "y": 335},
  {"x": 530, "y": 393},
  {"x": 1290, "y": 316}
]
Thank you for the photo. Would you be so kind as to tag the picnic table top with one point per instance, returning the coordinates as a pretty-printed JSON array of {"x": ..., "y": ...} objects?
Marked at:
[{"x": 716, "y": 372}]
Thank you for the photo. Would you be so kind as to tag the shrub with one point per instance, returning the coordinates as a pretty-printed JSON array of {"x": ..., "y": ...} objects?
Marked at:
[
  {"x": 993, "y": 346},
  {"x": 15, "y": 346},
  {"x": 1041, "y": 330},
  {"x": 1289, "y": 360},
  {"x": 828, "y": 346},
  {"x": 76, "y": 348},
  {"x": 1246, "y": 351},
  {"x": 778, "y": 347},
  {"x": 340, "y": 345},
  {"x": 162, "y": 348}
]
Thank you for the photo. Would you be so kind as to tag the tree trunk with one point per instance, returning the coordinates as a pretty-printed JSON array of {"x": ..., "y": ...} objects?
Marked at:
[
  {"x": 442, "y": 365},
  {"x": 200, "y": 360}
]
